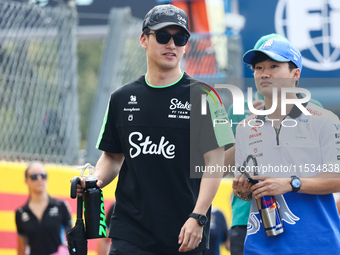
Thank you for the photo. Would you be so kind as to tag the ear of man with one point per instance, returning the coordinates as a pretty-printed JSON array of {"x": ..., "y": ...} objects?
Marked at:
[
  {"x": 143, "y": 40},
  {"x": 296, "y": 76}
]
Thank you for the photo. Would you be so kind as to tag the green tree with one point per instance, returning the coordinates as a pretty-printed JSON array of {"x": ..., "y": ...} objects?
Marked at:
[{"x": 89, "y": 59}]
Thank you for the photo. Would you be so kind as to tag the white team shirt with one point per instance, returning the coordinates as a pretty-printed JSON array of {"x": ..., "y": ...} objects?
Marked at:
[
  {"x": 306, "y": 145},
  {"x": 311, "y": 146}
]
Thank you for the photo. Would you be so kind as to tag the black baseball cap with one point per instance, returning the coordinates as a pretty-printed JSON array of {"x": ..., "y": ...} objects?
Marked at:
[{"x": 166, "y": 15}]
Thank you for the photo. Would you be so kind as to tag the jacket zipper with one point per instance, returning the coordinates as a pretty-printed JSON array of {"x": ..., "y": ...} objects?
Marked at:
[{"x": 278, "y": 132}]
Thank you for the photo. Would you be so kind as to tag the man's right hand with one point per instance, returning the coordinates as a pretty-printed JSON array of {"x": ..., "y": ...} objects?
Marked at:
[
  {"x": 82, "y": 185},
  {"x": 241, "y": 185}
]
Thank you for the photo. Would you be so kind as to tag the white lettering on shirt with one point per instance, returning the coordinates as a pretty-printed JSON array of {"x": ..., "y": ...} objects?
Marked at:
[
  {"x": 148, "y": 147},
  {"x": 175, "y": 103}
]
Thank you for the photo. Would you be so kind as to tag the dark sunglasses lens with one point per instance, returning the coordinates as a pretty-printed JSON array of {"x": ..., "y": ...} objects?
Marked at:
[
  {"x": 35, "y": 176},
  {"x": 162, "y": 37},
  {"x": 180, "y": 40}
]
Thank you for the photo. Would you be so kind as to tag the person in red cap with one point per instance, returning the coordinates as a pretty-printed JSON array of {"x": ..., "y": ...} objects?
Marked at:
[{"x": 150, "y": 138}]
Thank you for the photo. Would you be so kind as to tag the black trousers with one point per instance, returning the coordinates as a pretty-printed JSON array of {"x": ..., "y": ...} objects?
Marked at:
[
  {"x": 122, "y": 247},
  {"x": 237, "y": 235}
]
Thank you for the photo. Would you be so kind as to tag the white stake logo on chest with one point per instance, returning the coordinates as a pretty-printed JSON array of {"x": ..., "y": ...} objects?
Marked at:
[{"x": 148, "y": 147}]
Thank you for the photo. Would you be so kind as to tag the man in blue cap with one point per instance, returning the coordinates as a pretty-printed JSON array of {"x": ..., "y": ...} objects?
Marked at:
[
  {"x": 240, "y": 209},
  {"x": 299, "y": 164}
]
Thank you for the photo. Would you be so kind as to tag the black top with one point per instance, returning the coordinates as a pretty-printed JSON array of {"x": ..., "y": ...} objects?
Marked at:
[
  {"x": 44, "y": 237},
  {"x": 108, "y": 216},
  {"x": 155, "y": 192}
]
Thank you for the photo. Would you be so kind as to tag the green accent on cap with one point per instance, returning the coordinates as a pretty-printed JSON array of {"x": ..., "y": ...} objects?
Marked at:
[
  {"x": 165, "y": 86},
  {"x": 265, "y": 38}
]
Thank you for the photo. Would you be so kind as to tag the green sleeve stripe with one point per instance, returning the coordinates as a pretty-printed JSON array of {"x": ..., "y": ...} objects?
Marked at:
[{"x": 103, "y": 127}]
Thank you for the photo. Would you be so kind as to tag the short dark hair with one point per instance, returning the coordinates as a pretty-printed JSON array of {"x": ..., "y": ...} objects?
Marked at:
[
  {"x": 260, "y": 57},
  {"x": 26, "y": 170},
  {"x": 146, "y": 31},
  {"x": 291, "y": 66}
]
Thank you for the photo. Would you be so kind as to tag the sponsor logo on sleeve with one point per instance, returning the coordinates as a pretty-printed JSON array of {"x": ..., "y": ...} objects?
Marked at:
[
  {"x": 25, "y": 217},
  {"x": 314, "y": 112}
]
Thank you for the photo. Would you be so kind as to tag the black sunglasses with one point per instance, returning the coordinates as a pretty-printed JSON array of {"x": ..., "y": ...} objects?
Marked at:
[
  {"x": 35, "y": 176},
  {"x": 163, "y": 37}
]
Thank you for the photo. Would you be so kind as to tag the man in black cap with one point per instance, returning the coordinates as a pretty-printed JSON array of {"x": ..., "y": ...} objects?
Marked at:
[{"x": 146, "y": 138}]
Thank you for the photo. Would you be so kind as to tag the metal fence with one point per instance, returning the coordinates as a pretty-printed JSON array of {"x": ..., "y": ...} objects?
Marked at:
[
  {"x": 211, "y": 58},
  {"x": 38, "y": 83}
]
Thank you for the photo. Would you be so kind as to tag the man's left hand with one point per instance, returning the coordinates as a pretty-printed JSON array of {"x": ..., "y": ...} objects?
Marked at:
[
  {"x": 190, "y": 235},
  {"x": 270, "y": 186}
]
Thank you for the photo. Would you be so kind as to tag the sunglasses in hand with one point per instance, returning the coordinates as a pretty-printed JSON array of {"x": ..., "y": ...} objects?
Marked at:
[
  {"x": 35, "y": 176},
  {"x": 163, "y": 37}
]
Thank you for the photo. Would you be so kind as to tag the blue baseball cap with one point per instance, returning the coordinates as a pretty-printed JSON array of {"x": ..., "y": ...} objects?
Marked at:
[{"x": 278, "y": 50}]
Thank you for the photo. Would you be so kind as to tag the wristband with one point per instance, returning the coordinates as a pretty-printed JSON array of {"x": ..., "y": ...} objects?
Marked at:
[{"x": 248, "y": 198}]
